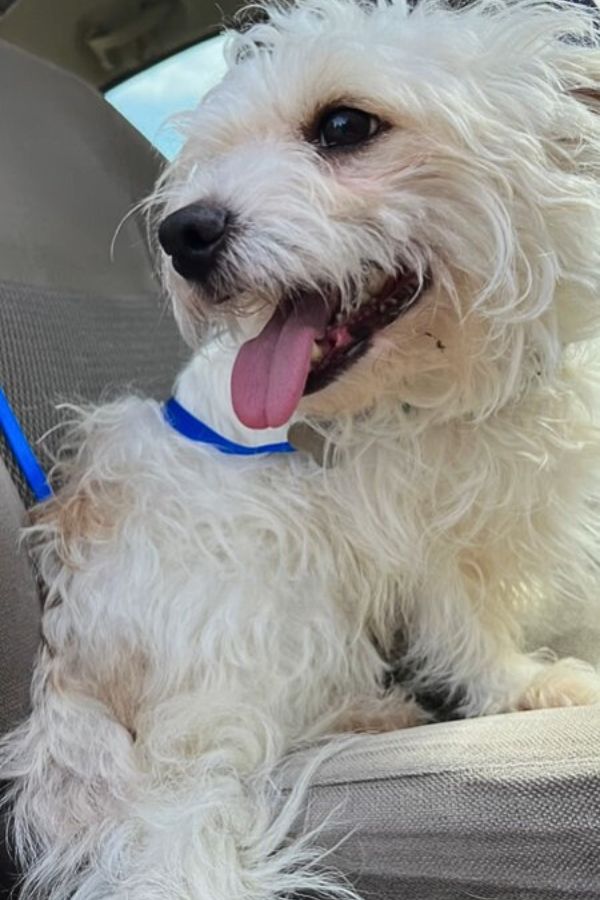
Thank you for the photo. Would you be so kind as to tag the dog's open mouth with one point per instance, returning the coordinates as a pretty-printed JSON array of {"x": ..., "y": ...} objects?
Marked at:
[{"x": 309, "y": 342}]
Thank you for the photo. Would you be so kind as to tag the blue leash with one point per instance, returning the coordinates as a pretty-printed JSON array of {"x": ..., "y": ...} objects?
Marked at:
[
  {"x": 192, "y": 428},
  {"x": 32, "y": 471}
]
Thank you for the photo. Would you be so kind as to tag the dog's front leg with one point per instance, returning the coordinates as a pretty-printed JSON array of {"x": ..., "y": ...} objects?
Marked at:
[
  {"x": 469, "y": 643},
  {"x": 375, "y": 715}
]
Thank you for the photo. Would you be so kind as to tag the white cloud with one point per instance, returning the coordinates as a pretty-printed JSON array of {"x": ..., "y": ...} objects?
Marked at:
[{"x": 172, "y": 86}]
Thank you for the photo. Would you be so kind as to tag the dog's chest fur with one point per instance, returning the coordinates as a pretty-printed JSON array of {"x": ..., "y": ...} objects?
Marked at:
[
  {"x": 188, "y": 571},
  {"x": 266, "y": 584}
]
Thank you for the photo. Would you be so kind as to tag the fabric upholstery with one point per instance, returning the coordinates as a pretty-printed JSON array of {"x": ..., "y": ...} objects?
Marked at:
[
  {"x": 75, "y": 323},
  {"x": 501, "y": 808},
  {"x": 60, "y": 345},
  {"x": 70, "y": 169}
]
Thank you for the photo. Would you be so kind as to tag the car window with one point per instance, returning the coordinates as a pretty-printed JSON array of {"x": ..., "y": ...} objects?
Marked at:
[{"x": 174, "y": 85}]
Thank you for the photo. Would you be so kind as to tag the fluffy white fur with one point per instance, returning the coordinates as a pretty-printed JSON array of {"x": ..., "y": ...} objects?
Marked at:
[{"x": 206, "y": 615}]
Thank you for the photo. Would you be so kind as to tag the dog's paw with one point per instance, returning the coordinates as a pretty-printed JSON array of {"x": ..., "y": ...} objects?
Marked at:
[
  {"x": 378, "y": 716},
  {"x": 568, "y": 682}
]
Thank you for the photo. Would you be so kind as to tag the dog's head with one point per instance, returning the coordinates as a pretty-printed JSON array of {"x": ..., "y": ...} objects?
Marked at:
[{"x": 390, "y": 205}]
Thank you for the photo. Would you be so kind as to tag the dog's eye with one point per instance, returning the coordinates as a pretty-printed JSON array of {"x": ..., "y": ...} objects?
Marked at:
[{"x": 346, "y": 127}]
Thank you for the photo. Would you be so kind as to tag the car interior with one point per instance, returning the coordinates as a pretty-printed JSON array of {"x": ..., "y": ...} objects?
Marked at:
[{"x": 503, "y": 807}]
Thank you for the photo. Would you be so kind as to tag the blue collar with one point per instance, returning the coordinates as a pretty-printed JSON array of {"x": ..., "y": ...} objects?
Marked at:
[
  {"x": 190, "y": 427},
  {"x": 177, "y": 417}
]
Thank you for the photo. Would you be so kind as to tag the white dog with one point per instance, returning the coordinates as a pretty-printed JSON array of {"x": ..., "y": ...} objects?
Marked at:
[{"x": 385, "y": 224}]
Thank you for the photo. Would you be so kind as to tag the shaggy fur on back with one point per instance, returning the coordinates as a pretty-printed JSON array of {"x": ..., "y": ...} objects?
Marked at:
[{"x": 206, "y": 614}]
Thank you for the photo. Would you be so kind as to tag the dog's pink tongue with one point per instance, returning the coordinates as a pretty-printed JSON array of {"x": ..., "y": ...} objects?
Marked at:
[{"x": 270, "y": 372}]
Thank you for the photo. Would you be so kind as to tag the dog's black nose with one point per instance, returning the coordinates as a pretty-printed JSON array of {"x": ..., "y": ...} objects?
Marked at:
[{"x": 193, "y": 237}]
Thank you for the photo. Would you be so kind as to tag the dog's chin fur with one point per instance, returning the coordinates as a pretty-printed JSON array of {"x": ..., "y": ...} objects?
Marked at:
[{"x": 206, "y": 614}]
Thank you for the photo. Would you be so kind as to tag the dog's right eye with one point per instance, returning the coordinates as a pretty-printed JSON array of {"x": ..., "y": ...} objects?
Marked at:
[{"x": 346, "y": 127}]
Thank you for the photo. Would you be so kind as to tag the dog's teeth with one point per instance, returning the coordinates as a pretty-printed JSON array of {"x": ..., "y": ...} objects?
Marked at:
[
  {"x": 316, "y": 354},
  {"x": 377, "y": 282}
]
